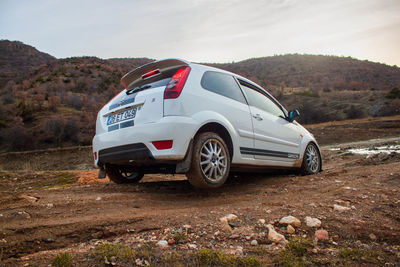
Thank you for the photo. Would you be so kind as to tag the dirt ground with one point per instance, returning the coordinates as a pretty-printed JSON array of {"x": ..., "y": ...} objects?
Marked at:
[{"x": 44, "y": 214}]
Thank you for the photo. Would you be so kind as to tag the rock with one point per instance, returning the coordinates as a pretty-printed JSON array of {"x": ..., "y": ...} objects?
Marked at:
[
  {"x": 49, "y": 205},
  {"x": 239, "y": 251},
  {"x": 372, "y": 236},
  {"x": 313, "y": 222},
  {"x": 229, "y": 217},
  {"x": 21, "y": 214},
  {"x": 290, "y": 229},
  {"x": 98, "y": 198},
  {"x": 293, "y": 221},
  {"x": 321, "y": 235},
  {"x": 29, "y": 198},
  {"x": 171, "y": 241},
  {"x": 225, "y": 226},
  {"x": 234, "y": 236},
  {"x": 113, "y": 261},
  {"x": 141, "y": 262},
  {"x": 187, "y": 227},
  {"x": 254, "y": 242},
  {"x": 342, "y": 202},
  {"x": 274, "y": 236},
  {"x": 340, "y": 208},
  {"x": 162, "y": 243},
  {"x": 262, "y": 221},
  {"x": 243, "y": 230},
  {"x": 192, "y": 246}
]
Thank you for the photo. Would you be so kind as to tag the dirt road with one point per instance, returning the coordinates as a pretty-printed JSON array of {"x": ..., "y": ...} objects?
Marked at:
[{"x": 43, "y": 214}]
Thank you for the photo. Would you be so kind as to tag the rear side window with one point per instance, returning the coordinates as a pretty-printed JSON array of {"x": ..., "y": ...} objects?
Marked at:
[{"x": 222, "y": 84}]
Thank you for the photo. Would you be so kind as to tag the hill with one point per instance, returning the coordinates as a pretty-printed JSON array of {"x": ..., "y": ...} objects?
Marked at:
[
  {"x": 18, "y": 60},
  {"x": 49, "y": 102}
]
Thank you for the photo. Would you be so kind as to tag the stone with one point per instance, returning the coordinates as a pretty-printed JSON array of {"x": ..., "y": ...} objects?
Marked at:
[
  {"x": 171, "y": 241},
  {"x": 372, "y": 236},
  {"x": 162, "y": 243},
  {"x": 192, "y": 246},
  {"x": 187, "y": 227},
  {"x": 321, "y": 235},
  {"x": 228, "y": 218},
  {"x": 254, "y": 242},
  {"x": 22, "y": 214},
  {"x": 313, "y": 222},
  {"x": 342, "y": 202},
  {"x": 340, "y": 208},
  {"x": 98, "y": 198},
  {"x": 29, "y": 198},
  {"x": 262, "y": 221},
  {"x": 225, "y": 226},
  {"x": 290, "y": 229},
  {"x": 293, "y": 221},
  {"x": 274, "y": 236},
  {"x": 234, "y": 236},
  {"x": 239, "y": 251}
]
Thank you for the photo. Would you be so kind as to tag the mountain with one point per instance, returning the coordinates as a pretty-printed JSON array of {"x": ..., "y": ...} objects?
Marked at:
[
  {"x": 49, "y": 102},
  {"x": 18, "y": 60}
]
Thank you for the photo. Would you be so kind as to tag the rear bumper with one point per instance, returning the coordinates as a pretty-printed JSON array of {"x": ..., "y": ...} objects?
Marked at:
[
  {"x": 124, "y": 154},
  {"x": 135, "y": 143}
]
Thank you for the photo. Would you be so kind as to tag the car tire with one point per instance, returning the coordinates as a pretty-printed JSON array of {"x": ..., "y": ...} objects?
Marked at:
[
  {"x": 211, "y": 161},
  {"x": 312, "y": 162},
  {"x": 120, "y": 176}
]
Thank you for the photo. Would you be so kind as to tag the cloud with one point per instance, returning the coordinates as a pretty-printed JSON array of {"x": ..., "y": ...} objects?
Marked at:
[{"x": 204, "y": 30}]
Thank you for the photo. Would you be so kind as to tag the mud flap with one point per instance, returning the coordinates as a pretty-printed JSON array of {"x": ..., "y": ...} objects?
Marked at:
[
  {"x": 102, "y": 174},
  {"x": 184, "y": 165}
]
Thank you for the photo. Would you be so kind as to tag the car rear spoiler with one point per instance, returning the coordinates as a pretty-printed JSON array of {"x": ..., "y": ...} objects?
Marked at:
[{"x": 137, "y": 74}]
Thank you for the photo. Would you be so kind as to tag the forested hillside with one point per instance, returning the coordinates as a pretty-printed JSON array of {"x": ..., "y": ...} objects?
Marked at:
[{"x": 49, "y": 102}]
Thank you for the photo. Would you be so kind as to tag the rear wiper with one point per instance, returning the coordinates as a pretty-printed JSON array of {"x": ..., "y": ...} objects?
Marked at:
[{"x": 137, "y": 89}]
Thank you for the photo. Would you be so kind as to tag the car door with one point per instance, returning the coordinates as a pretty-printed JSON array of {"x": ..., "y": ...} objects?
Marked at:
[
  {"x": 275, "y": 138},
  {"x": 223, "y": 95}
]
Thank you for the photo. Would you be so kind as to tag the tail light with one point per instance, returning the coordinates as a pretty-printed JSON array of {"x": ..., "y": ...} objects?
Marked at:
[{"x": 175, "y": 85}]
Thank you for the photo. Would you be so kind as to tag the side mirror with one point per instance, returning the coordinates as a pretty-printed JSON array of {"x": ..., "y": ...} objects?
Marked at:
[{"x": 293, "y": 114}]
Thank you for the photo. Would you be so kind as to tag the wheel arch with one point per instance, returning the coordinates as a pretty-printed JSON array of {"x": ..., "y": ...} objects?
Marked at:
[{"x": 219, "y": 129}]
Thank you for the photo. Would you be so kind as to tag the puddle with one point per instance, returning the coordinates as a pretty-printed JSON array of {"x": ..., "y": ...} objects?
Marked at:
[{"x": 376, "y": 150}]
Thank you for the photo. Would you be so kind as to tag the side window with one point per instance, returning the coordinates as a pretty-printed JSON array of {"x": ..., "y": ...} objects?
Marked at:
[
  {"x": 222, "y": 84},
  {"x": 259, "y": 100}
]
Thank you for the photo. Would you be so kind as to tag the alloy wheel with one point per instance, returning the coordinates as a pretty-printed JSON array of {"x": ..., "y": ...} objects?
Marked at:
[{"x": 213, "y": 161}]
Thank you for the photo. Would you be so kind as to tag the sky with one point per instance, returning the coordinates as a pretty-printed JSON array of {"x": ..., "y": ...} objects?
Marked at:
[{"x": 206, "y": 30}]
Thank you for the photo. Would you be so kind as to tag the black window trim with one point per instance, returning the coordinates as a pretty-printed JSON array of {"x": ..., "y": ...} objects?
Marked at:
[
  {"x": 234, "y": 78},
  {"x": 263, "y": 92}
]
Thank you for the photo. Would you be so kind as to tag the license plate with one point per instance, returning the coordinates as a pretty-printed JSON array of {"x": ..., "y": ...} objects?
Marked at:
[{"x": 122, "y": 116}]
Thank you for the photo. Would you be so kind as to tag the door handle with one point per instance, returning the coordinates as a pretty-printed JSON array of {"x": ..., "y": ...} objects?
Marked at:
[{"x": 257, "y": 117}]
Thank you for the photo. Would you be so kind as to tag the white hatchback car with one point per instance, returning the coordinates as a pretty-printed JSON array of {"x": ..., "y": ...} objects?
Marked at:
[{"x": 179, "y": 117}]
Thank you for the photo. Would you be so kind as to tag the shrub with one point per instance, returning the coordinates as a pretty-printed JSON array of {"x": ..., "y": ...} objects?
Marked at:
[
  {"x": 394, "y": 93},
  {"x": 17, "y": 138},
  {"x": 59, "y": 130},
  {"x": 355, "y": 112},
  {"x": 63, "y": 260}
]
